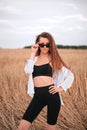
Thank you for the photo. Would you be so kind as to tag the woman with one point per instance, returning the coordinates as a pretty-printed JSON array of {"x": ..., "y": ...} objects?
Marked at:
[{"x": 48, "y": 77}]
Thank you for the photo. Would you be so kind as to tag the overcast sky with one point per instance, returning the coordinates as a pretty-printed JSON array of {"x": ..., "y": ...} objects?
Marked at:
[{"x": 22, "y": 20}]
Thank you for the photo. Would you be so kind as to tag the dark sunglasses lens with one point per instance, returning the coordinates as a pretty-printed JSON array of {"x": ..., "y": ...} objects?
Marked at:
[
  {"x": 47, "y": 45},
  {"x": 41, "y": 45}
]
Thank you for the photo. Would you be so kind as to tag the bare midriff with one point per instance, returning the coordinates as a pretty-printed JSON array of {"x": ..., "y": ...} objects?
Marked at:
[{"x": 41, "y": 81}]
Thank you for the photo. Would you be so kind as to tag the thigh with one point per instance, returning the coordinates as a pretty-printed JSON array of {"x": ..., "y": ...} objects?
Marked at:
[
  {"x": 53, "y": 108},
  {"x": 33, "y": 110}
]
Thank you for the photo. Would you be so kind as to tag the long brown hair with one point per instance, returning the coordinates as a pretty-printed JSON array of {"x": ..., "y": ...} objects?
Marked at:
[{"x": 56, "y": 60}]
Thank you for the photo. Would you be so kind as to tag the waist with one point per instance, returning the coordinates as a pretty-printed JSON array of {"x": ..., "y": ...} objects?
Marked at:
[
  {"x": 42, "y": 87},
  {"x": 42, "y": 81}
]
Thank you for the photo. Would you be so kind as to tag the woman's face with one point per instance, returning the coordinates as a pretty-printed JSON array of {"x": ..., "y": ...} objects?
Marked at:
[{"x": 44, "y": 45}]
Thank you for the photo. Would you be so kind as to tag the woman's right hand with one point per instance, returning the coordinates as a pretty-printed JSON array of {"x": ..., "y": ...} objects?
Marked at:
[{"x": 34, "y": 50}]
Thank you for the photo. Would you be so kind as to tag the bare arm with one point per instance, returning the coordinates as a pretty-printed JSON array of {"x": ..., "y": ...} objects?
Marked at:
[{"x": 30, "y": 62}]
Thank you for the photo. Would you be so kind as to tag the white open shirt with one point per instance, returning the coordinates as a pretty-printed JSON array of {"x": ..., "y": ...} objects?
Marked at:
[{"x": 61, "y": 78}]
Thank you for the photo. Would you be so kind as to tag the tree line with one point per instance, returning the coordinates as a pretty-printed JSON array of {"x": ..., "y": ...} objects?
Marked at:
[{"x": 67, "y": 46}]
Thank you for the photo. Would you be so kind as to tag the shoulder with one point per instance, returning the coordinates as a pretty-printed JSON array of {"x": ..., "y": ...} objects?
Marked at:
[{"x": 63, "y": 69}]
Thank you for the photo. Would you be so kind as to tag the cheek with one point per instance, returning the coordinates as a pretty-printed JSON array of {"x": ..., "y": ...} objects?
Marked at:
[{"x": 48, "y": 50}]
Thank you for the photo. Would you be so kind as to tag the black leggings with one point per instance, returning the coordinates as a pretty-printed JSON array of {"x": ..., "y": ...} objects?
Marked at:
[{"x": 41, "y": 98}]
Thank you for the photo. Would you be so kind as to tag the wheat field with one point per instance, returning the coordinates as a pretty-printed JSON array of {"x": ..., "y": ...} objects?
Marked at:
[{"x": 14, "y": 98}]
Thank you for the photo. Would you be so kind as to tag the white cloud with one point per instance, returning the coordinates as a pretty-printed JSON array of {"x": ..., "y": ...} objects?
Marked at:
[
  {"x": 10, "y": 9},
  {"x": 70, "y": 5},
  {"x": 69, "y": 22}
]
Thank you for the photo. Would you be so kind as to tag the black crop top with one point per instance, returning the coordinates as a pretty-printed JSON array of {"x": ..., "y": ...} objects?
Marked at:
[{"x": 42, "y": 70}]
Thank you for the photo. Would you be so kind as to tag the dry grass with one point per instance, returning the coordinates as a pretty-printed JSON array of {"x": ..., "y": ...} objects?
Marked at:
[{"x": 14, "y": 98}]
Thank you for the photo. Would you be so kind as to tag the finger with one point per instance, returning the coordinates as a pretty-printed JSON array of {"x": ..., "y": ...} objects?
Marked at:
[
  {"x": 52, "y": 90},
  {"x": 51, "y": 87},
  {"x": 35, "y": 46},
  {"x": 37, "y": 43}
]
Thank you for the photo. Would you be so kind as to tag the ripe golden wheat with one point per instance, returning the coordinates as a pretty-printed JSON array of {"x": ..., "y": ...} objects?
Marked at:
[{"x": 13, "y": 91}]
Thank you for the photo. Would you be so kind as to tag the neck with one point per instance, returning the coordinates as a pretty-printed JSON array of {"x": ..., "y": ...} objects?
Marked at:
[{"x": 44, "y": 55}]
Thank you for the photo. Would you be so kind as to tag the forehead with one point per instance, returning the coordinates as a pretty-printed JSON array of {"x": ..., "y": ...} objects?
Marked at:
[{"x": 42, "y": 39}]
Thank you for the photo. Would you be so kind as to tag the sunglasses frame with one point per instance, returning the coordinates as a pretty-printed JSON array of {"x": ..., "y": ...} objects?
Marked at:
[{"x": 42, "y": 45}]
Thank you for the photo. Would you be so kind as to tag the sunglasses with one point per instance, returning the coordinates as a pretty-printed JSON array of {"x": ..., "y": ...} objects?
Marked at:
[{"x": 46, "y": 45}]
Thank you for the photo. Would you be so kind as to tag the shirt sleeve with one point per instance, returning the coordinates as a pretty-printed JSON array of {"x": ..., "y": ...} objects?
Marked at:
[
  {"x": 29, "y": 66},
  {"x": 67, "y": 81}
]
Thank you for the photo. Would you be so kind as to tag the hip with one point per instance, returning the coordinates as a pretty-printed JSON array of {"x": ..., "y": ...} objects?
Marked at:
[{"x": 43, "y": 94}]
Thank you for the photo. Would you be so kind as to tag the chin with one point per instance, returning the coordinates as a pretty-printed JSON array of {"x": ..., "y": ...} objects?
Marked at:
[{"x": 45, "y": 52}]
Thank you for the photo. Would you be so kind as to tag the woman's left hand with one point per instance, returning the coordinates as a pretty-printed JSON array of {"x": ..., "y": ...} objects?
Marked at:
[{"x": 54, "y": 89}]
